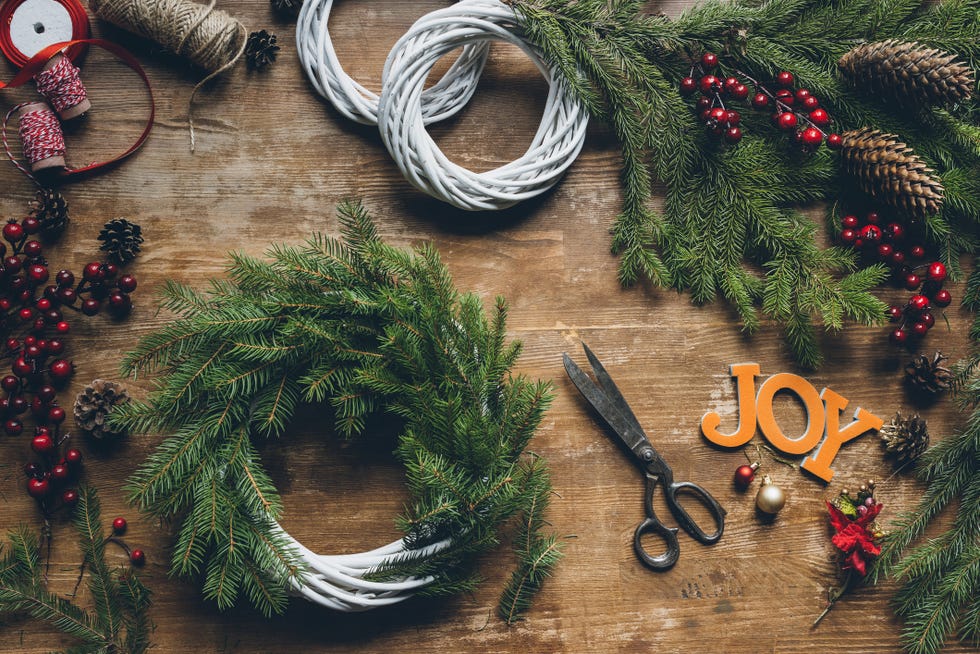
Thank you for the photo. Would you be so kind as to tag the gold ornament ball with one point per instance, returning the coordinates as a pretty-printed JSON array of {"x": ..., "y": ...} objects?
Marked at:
[{"x": 770, "y": 498}]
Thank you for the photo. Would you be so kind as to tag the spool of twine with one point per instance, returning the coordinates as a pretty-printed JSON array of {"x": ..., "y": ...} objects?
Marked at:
[{"x": 209, "y": 37}]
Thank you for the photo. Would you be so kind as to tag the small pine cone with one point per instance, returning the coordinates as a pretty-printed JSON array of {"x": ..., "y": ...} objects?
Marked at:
[
  {"x": 260, "y": 49},
  {"x": 51, "y": 210},
  {"x": 891, "y": 172},
  {"x": 95, "y": 403},
  {"x": 121, "y": 240},
  {"x": 929, "y": 376},
  {"x": 908, "y": 71},
  {"x": 286, "y": 6},
  {"x": 905, "y": 438}
]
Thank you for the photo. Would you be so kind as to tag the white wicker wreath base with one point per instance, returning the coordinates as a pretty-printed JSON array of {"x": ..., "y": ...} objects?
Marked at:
[
  {"x": 336, "y": 581},
  {"x": 405, "y": 106}
]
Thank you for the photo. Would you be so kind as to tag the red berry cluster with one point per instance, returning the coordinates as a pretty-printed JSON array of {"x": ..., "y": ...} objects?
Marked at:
[
  {"x": 889, "y": 243},
  {"x": 33, "y": 330},
  {"x": 54, "y": 473},
  {"x": 710, "y": 106},
  {"x": 797, "y": 110},
  {"x": 136, "y": 556}
]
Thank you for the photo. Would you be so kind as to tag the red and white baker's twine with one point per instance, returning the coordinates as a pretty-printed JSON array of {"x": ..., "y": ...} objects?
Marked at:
[
  {"x": 40, "y": 132},
  {"x": 405, "y": 106},
  {"x": 61, "y": 85}
]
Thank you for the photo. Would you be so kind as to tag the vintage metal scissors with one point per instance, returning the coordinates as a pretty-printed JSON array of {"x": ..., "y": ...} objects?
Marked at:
[{"x": 609, "y": 403}]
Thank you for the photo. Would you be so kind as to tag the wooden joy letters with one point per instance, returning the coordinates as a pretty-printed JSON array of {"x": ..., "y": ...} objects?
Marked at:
[{"x": 823, "y": 412}]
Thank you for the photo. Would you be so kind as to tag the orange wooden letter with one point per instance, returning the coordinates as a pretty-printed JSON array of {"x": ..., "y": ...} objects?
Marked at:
[
  {"x": 744, "y": 374},
  {"x": 819, "y": 462},
  {"x": 814, "y": 412}
]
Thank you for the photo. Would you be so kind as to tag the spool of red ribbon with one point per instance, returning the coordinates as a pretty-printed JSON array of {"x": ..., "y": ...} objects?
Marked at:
[
  {"x": 37, "y": 63},
  {"x": 29, "y": 26}
]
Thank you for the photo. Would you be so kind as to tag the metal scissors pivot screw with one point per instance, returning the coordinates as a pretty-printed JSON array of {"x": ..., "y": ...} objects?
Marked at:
[{"x": 606, "y": 399}]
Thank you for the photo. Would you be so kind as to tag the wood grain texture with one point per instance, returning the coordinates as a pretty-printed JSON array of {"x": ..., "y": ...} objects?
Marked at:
[{"x": 272, "y": 162}]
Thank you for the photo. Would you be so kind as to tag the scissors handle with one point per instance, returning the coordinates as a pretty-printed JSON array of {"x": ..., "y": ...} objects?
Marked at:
[
  {"x": 669, "y": 534},
  {"x": 686, "y": 521},
  {"x": 652, "y": 524}
]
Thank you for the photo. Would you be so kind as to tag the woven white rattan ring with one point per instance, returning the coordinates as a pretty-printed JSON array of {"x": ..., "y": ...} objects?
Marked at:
[
  {"x": 319, "y": 60},
  {"x": 401, "y": 115}
]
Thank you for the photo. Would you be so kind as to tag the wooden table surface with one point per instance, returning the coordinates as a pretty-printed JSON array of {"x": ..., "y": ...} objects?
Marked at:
[{"x": 272, "y": 161}]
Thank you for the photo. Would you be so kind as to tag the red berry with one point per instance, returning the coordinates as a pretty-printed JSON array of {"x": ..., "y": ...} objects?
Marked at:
[
  {"x": 62, "y": 327},
  {"x": 38, "y": 488},
  {"x": 703, "y": 104},
  {"x": 885, "y": 251},
  {"x": 898, "y": 258},
  {"x": 31, "y": 225},
  {"x": 802, "y": 94},
  {"x": 32, "y": 469},
  {"x": 810, "y": 102},
  {"x": 56, "y": 415},
  {"x": 927, "y": 319},
  {"x": 12, "y": 265},
  {"x": 733, "y": 118},
  {"x": 119, "y": 526},
  {"x": 9, "y": 383},
  {"x": 849, "y": 221},
  {"x": 22, "y": 368},
  {"x": 709, "y": 84},
  {"x": 44, "y": 304},
  {"x": 919, "y": 303},
  {"x": 39, "y": 408},
  {"x": 870, "y": 234},
  {"x": 898, "y": 337},
  {"x": 760, "y": 101},
  {"x": 873, "y": 217},
  {"x": 730, "y": 83},
  {"x": 717, "y": 114},
  {"x": 919, "y": 329},
  {"x": 33, "y": 248},
  {"x": 13, "y": 427},
  {"x": 894, "y": 231},
  {"x": 894, "y": 313},
  {"x": 848, "y": 236},
  {"x": 917, "y": 252},
  {"x": 820, "y": 117},
  {"x": 688, "y": 86},
  {"x": 26, "y": 314},
  {"x": 787, "y": 121},
  {"x": 812, "y": 136},
  {"x": 43, "y": 444},
  {"x": 709, "y": 60},
  {"x": 61, "y": 369},
  {"x": 942, "y": 298},
  {"x": 739, "y": 91},
  {"x": 65, "y": 278},
  {"x": 785, "y": 96},
  {"x": 834, "y": 141},
  {"x": 12, "y": 231},
  {"x": 46, "y": 393},
  {"x": 60, "y": 472},
  {"x": 37, "y": 273},
  {"x": 785, "y": 79},
  {"x": 17, "y": 404},
  {"x": 732, "y": 135},
  {"x": 937, "y": 272},
  {"x": 67, "y": 295},
  {"x": 912, "y": 281},
  {"x": 73, "y": 457},
  {"x": 55, "y": 346},
  {"x": 93, "y": 272},
  {"x": 13, "y": 344},
  {"x": 91, "y": 306},
  {"x": 137, "y": 557},
  {"x": 70, "y": 497}
]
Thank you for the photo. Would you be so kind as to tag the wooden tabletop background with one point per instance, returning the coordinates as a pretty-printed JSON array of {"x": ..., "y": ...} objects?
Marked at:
[{"x": 272, "y": 161}]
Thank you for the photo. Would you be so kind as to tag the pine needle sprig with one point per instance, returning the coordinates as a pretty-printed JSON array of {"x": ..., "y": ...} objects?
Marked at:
[
  {"x": 730, "y": 212},
  {"x": 119, "y": 620},
  {"x": 365, "y": 328}
]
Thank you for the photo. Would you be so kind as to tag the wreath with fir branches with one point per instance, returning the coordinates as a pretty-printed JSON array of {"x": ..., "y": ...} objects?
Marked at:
[{"x": 365, "y": 328}]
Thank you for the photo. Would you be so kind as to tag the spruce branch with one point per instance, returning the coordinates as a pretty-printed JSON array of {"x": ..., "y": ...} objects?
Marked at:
[
  {"x": 118, "y": 621},
  {"x": 362, "y": 327}
]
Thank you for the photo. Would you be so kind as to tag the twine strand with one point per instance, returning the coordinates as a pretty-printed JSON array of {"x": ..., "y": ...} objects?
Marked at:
[{"x": 41, "y": 135}]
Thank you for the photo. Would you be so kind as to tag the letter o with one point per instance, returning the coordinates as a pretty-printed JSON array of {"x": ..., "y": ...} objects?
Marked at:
[{"x": 811, "y": 402}]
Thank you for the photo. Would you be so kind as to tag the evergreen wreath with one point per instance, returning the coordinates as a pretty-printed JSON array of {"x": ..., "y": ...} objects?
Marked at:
[
  {"x": 364, "y": 328},
  {"x": 729, "y": 224}
]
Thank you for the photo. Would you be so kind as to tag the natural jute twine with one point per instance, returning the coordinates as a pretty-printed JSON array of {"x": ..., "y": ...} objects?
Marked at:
[{"x": 209, "y": 37}]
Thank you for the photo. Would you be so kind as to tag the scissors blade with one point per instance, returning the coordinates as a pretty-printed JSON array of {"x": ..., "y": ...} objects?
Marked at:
[{"x": 625, "y": 425}]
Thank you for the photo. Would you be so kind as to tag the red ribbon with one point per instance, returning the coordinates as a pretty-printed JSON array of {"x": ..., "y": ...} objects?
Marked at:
[
  {"x": 79, "y": 24},
  {"x": 36, "y": 63}
]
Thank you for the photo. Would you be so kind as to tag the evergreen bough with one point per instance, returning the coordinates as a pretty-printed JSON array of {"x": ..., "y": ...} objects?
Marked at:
[
  {"x": 118, "y": 622},
  {"x": 729, "y": 224},
  {"x": 364, "y": 328}
]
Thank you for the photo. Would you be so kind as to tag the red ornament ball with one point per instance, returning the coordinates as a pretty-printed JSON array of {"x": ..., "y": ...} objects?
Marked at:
[
  {"x": 927, "y": 319},
  {"x": 885, "y": 251},
  {"x": 12, "y": 231},
  {"x": 56, "y": 415},
  {"x": 60, "y": 472},
  {"x": 744, "y": 475},
  {"x": 849, "y": 221},
  {"x": 811, "y": 102},
  {"x": 848, "y": 236},
  {"x": 61, "y": 369}
]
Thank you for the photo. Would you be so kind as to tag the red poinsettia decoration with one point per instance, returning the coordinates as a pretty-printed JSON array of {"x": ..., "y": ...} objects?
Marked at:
[{"x": 853, "y": 538}]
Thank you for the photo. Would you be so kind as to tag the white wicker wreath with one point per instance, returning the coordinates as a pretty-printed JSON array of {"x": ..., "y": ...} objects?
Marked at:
[{"x": 405, "y": 106}]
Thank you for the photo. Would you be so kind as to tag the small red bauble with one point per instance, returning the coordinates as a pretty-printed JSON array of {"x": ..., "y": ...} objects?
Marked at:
[
  {"x": 688, "y": 85},
  {"x": 802, "y": 94},
  {"x": 873, "y": 217},
  {"x": 73, "y": 456},
  {"x": 919, "y": 302},
  {"x": 12, "y": 265},
  {"x": 787, "y": 121},
  {"x": 937, "y": 272},
  {"x": 812, "y": 136},
  {"x": 912, "y": 281},
  {"x": 898, "y": 337},
  {"x": 733, "y": 135},
  {"x": 744, "y": 475},
  {"x": 760, "y": 101},
  {"x": 709, "y": 60},
  {"x": 834, "y": 141},
  {"x": 703, "y": 104},
  {"x": 46, "y": 393},
  {"x": 43, "y": 444},
  {"x": 55, "y": 346},
  {"x": 38, "y": 488},
  {"x": 709, "y": 84},
  {"x": 785, "y": 96},
  {"x": 26, "y": 314},
  {"x": 785, "y": 78},
  {"x": 31, "y": 225},
  {"x": 942, "y": 298},
  {"x": 70, "y": 497},
  {"x": 137, "y": 557},
  {"x": 119, "y": 526},
  {"x": 820, "y": 117}
]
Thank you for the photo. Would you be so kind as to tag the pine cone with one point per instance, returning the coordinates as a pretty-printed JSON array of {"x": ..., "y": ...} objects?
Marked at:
[
  {"x": 260, "y": 49},
  {"x": 905, "y": 438},
  {"x": 908, "y": 71},
  {"x": 929, "y": 376},
  {"x": 286, "y": 6},
  {"x": 891, "y": 172},
  {"x": 121, "y": 240},
  {"x": 51, "y": 211},
  {"x": 95, "y": 403}
]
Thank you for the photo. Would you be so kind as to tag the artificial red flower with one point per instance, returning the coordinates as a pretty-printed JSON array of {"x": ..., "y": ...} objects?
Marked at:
[{"x": 854, "y": 539}]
